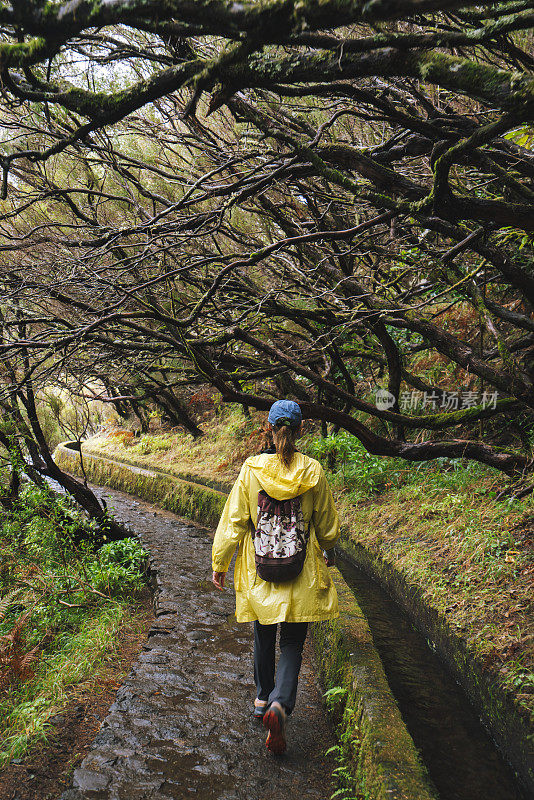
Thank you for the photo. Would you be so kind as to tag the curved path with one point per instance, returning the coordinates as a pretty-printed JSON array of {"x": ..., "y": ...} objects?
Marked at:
[{"x": 181, "y": 724}]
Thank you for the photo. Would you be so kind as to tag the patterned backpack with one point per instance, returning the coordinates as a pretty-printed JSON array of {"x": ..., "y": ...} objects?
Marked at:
[{"x": 280, "y": 538}]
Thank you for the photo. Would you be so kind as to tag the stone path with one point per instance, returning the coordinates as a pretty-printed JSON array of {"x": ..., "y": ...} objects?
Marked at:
[{"x": 181, "y": 724}]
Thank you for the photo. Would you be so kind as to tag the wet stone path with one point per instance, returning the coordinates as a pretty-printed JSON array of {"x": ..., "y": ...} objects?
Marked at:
[{"x": 181, "y": 725}]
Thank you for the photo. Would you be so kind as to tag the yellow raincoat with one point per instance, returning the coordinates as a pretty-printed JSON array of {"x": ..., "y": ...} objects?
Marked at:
[{"x": 309, "y": 597}]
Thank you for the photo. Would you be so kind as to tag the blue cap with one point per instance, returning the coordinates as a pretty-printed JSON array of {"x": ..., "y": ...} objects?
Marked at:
[{"x": 285, "y": 412}]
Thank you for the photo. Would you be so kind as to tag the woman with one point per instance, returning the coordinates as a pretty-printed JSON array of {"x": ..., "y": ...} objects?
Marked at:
[{"x": 288, "y": 479}]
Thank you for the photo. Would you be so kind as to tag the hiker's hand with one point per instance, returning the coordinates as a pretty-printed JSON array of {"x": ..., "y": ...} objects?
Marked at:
[
  {"x": 329, "y": 557},
  {"x": 218, "y": 580}
]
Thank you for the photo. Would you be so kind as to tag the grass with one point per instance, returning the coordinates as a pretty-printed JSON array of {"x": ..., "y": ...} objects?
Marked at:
[
  {"x": 63, "y": 601},
  {"x": 216, "y": 457},
  {"x": 25, "y": 709}
]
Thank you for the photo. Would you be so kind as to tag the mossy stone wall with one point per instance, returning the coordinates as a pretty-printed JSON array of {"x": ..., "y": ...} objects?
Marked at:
[
  {"x": 376, "y": 745},
  {"x": 510, "y": 727},
  {"x": 190, "y": 500}
]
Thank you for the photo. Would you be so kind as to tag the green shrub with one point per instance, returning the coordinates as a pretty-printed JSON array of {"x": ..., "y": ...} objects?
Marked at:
[
  {"x": 61, "y": 604},
  {"x": 148, "y": 444},
  {"x": 353, "y": 468},
  {"x": 119, "y": 567}
]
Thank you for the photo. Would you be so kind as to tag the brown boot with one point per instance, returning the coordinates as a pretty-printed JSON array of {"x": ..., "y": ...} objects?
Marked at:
[{"x": 274, "y": 720}]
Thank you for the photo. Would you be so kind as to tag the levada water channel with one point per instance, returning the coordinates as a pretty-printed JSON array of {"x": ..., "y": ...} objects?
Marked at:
[{"x": 461, "y": 758}]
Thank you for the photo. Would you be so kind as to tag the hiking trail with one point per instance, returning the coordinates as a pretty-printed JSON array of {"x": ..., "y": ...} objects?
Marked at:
[{"x": 181, "y": 725}]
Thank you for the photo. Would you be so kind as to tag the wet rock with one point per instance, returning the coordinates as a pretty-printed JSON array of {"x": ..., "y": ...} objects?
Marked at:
[
  {"x": 155, "y": 657},
  {"x": 161, "y": 611},
  {"x": 196, "y": 636},
  {"x": 88, "y": 781}
]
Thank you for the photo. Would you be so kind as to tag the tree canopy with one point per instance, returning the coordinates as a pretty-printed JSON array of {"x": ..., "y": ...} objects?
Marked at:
[{"x": 315, "y": 199}]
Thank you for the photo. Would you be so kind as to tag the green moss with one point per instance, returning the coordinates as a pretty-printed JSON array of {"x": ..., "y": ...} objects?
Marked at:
[
  {"x": 24, "y": 53},
  {"x": 212, "y": 483},
  {"x": 502, "y": 87},
  {"x": 191, "y": 500},
  {"x": 374, "y": 746}
]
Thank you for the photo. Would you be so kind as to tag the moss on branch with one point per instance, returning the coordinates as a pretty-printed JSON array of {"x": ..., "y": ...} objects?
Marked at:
[{"x": 18, "y": 54}]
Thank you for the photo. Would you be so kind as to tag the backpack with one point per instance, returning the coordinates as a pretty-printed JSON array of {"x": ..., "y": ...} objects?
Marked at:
[{"x": 280, "y": 538}]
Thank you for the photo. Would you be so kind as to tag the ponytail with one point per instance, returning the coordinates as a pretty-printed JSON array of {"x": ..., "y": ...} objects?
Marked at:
[{"x": 284, "y": 442}]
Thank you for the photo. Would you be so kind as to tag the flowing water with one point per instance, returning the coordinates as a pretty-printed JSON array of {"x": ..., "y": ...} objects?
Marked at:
[{"x": 462, "y": 759}]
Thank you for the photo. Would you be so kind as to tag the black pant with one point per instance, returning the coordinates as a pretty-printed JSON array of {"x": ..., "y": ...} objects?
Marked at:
[{"x": 283, "y": 688}]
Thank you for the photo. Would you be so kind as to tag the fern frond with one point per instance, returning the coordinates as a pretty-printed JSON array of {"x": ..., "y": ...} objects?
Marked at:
[{"x": 7, "y": 601}]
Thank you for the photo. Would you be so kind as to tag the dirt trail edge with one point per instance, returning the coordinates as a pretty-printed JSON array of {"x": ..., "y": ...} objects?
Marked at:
[{"x": 181, "y": 725}]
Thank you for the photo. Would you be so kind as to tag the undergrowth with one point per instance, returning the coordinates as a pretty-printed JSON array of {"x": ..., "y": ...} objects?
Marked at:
[
  {"x": 229, "y": 438},
  {"x": 62, "y": 602},
  {"x": 362, "y": 475},
  {"x": 345, "y": 752}
]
